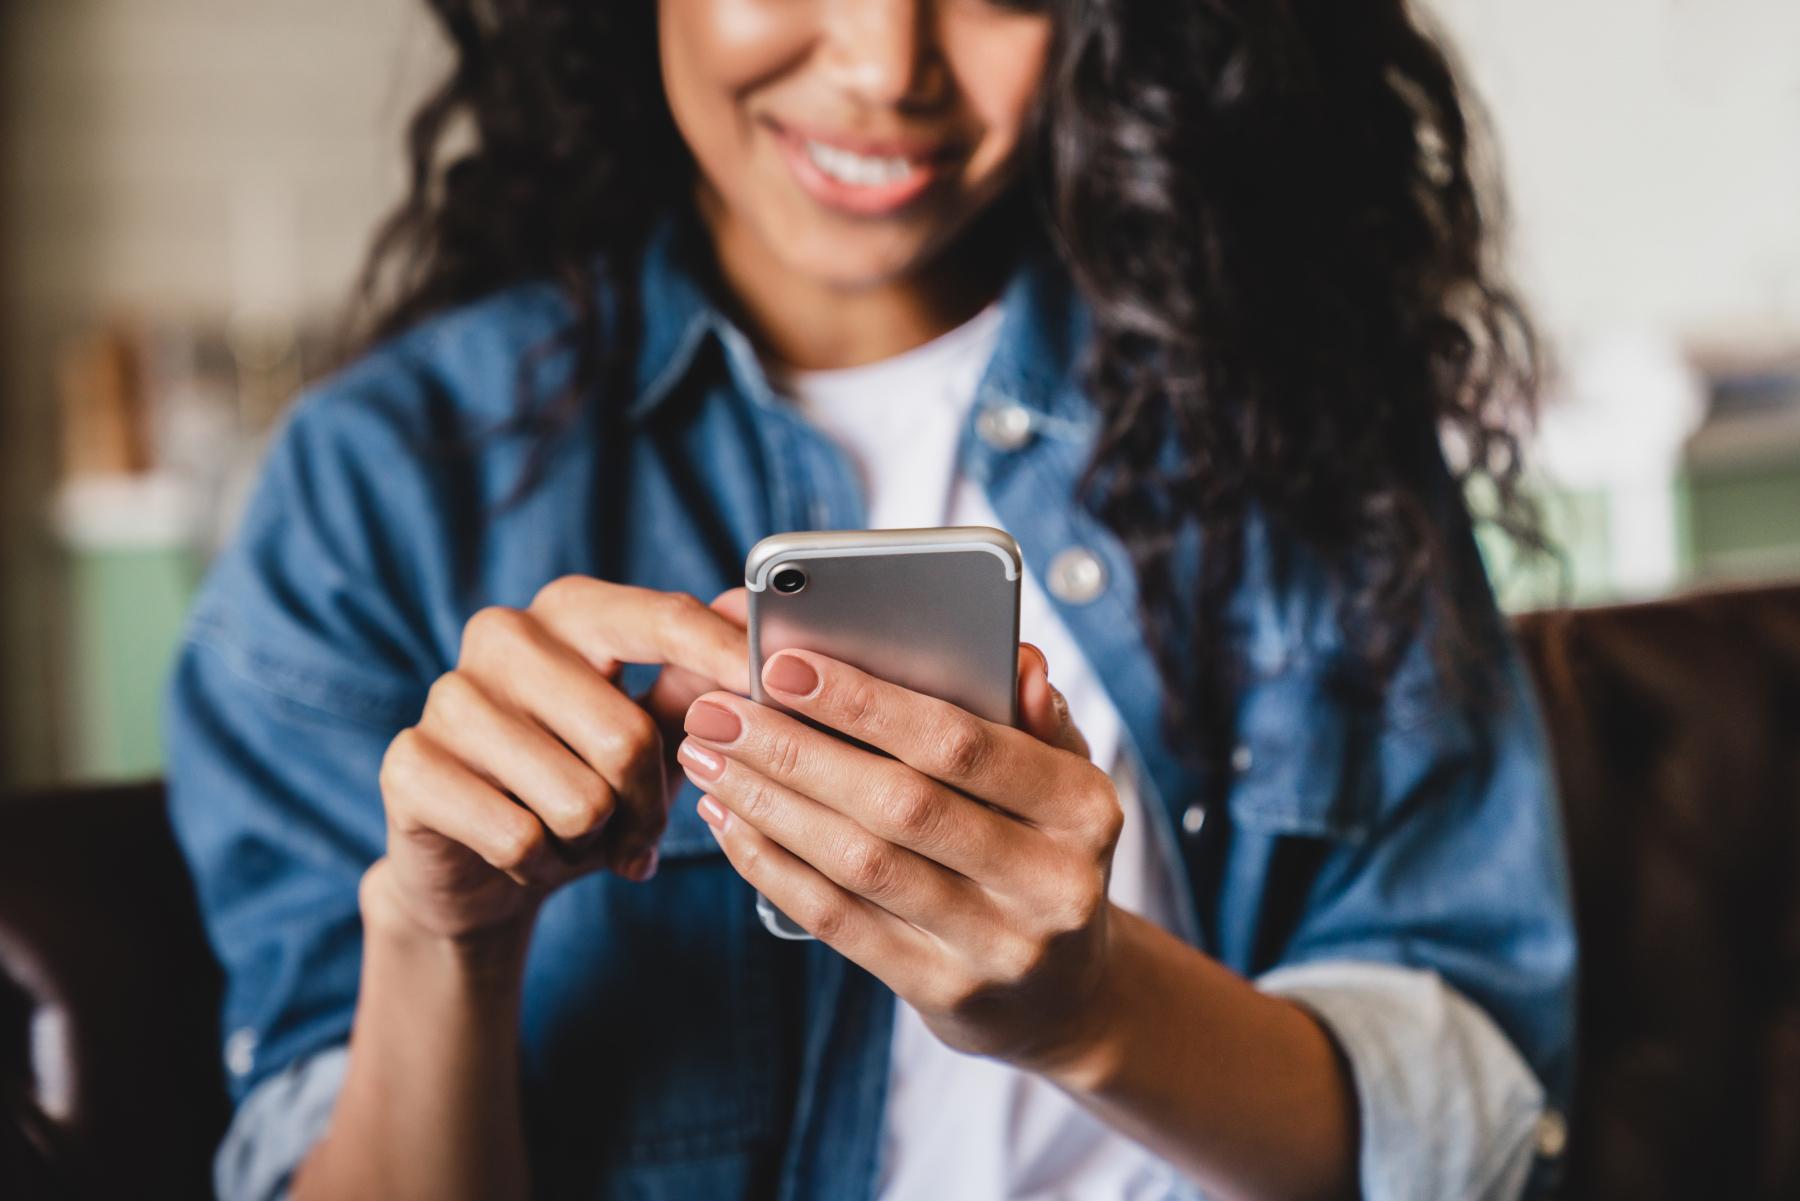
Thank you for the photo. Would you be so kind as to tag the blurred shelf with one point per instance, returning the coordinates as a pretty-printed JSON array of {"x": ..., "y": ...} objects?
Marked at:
[{"x": 1747, "y": 440}]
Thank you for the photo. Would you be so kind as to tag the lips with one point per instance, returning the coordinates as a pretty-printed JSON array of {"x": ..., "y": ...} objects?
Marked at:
[{"x": 861, "y": 176}]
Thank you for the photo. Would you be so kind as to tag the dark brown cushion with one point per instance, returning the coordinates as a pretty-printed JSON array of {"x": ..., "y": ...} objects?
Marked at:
[{"x": 1677, "y": 735}]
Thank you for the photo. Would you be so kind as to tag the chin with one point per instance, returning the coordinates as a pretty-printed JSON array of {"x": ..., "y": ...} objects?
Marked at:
[{"x": 856, "y": 261}]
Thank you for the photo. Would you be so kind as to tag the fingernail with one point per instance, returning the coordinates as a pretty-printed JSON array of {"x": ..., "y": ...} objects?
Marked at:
[
  {"x": 790, "y": 674},
  {"x": 699, "y": 760},
  {"x": 1038, "y": 652},
  {"x": 715, "y": 723},
  {"x": 642, "y": 866},
  {"x": 711, "y": 812}
]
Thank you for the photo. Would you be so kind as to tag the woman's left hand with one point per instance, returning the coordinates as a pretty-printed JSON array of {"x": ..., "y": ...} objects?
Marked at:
[{"x": 968, "y": 872}]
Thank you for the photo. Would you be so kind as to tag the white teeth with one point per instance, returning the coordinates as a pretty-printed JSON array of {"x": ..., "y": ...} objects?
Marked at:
[{"x": 857, "y": 170}]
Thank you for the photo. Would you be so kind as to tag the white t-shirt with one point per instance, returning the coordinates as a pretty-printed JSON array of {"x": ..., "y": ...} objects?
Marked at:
[{"x": 959, "y": 1126}]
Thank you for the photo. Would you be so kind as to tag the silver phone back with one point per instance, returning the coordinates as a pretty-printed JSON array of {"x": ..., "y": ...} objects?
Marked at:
[{"x": 933, "y": 610}]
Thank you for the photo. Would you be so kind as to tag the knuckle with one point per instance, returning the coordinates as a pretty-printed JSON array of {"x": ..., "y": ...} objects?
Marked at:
[
  {"x": 758, "y": 801},
  {"x": 1106, "y": 820},
  {"x": 400, "y": 762},
  {"x": 1080, "y": 892},
  {"x": 491, "y": 628},
  {"x": 748, "y": 857},
  {"x": 517, "y": 845},
  {"x": 451, "y": 696},
  {"x": 963, "y": 749},
  {"x": 558, "y": 592},
  {"x": 638, "y": 730},
  {"x": 624, "y": 741},
  {"x": 612, "y": 745},
  {"x": 593, "y": 803},
  {"x": 960, "y": 992},
  {"x": 943, "y": 993},
  {"x": 826, "y": 915},
  {"x": 855, "y": 704},
  {"x": 909, "y": 807},
  {"x": 868, "y": 866},
  {"x": 784, "y": 753},
  {"x": 1017, "y": 960}
]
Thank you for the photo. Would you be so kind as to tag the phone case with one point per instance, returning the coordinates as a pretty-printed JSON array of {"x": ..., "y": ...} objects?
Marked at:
[{"x": 933, "y": 610}]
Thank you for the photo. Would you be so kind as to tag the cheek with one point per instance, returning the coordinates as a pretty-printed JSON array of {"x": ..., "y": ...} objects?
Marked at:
[
  {"x": 723, "y": 58},
  {"x": 999, "y": 72},
  {"x": 713, "y": 53}
]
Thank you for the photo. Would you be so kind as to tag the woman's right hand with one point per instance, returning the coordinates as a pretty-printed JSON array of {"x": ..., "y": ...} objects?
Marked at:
[{"x": 530, "y": 767}]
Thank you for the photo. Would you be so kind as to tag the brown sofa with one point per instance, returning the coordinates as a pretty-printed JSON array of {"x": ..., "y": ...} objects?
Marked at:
[{"x": 1677, "y": 732}]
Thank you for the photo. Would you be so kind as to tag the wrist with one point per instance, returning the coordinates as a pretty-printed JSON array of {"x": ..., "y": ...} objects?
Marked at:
[
  {"x": 490, "y": 958},
  {"x": 1091, "y": 1050}
]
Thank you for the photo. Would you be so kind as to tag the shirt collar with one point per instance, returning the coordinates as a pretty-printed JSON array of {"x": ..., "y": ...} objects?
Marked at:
[
  {"x": 676, "y": 313},
  {"x": 1043, "y": 337},
  {"x": 1042, "y": 333}
]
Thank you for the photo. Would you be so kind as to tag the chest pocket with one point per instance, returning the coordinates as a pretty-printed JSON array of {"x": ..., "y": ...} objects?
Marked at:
[{"x": 1300, "y": 764}]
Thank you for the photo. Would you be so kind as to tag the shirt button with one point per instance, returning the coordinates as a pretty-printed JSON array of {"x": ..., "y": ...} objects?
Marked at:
[
  {"x": 1077, "y": 576},
  {"x": 1241, "y": 758},
  {"x": 240, "y": 1052},
  {"x": 1004, "y": 427},
  {"x": 1552, "y": 1134},
  {"x": 1193, "y": 819}
]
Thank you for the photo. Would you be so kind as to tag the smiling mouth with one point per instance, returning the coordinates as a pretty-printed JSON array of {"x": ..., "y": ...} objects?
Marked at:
[
  {"x": 857, "y": 170},
  {"x": 860, "y": 176}
]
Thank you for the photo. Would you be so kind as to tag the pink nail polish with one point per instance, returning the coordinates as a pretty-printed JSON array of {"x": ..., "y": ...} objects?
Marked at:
[
  {"x": 700, "y": 761},
  {"x": 790, "y": 674},
  {"x": 712, "y": 813},
  {"x": 715, "y": 723}
]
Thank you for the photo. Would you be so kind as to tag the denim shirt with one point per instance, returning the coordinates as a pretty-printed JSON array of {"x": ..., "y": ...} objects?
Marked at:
[{"x": 671, "y": 1048}]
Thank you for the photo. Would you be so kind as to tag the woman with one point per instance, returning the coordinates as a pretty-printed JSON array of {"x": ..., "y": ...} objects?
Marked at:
[{"x": 1265, "y": 900}]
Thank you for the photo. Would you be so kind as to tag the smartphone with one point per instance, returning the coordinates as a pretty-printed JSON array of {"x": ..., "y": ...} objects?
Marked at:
[{"x": 932, "y": 610}]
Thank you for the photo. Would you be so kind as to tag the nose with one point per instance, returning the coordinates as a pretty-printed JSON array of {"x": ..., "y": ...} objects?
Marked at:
[{"x": 883, "y": 51}]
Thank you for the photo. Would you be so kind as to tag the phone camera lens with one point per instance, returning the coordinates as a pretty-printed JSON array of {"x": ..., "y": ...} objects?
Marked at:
[{"x": 789, "y": 580}]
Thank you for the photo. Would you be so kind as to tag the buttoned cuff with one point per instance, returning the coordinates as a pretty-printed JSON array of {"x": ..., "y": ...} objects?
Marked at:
[{"x": 1448, "y": 1109}]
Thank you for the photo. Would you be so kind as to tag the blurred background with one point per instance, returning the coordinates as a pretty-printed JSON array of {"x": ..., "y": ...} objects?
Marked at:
[{"x": 187, "y": 186}]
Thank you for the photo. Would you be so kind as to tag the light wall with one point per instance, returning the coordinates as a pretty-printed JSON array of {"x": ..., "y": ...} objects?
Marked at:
[
  {"x": 1653, "y": 152},
  {"x": 175, "y": 159}
]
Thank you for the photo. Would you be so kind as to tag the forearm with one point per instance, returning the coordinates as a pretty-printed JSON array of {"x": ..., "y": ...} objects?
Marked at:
[
  {"x": 430, "y": 1105},
  {"x": 1242, "y": 1091}
]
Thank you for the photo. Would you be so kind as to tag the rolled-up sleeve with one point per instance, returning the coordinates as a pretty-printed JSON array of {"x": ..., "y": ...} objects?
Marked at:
[
  {"x": 305, "y": 653},
  {"x": 276, "y": 1127},
  {"x": 1399, "y": 869},
  {"x": 300, "y": 662},
  {"x": 1447, "y": 1107}
]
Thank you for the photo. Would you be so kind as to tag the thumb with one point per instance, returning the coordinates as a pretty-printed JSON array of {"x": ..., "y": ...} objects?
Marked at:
[
  {"x": 676, "y": 687},
  {"x": 1043, "y": 712}
]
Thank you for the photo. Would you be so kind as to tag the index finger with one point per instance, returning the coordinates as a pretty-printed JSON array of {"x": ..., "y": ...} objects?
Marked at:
[
  {"x": 995, "y": 763},
  {"x": 609, "y": 624}
]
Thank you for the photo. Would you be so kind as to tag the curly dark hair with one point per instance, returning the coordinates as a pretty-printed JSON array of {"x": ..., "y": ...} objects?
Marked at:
[{"x": 1270, "y": 206}]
